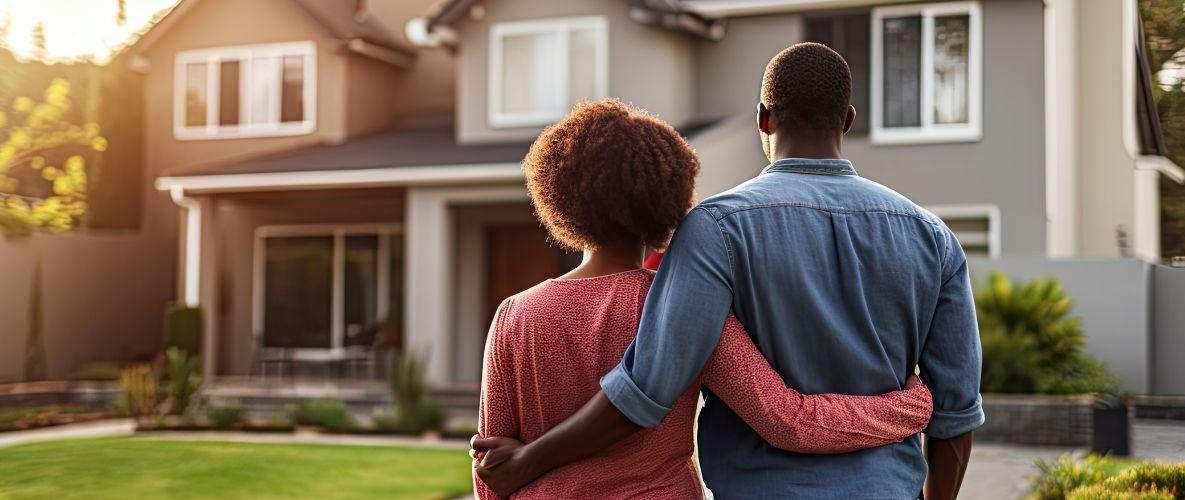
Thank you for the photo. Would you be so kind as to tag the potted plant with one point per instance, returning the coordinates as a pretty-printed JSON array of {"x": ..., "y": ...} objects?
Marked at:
[{"x": 1112, "y": 427}]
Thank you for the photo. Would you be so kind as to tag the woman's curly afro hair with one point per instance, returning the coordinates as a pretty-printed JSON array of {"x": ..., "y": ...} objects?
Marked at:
[{"x": 608, "y": 174}]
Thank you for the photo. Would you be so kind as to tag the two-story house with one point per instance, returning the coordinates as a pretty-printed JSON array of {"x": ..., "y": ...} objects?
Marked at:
[{"x": 345, "y": 164}]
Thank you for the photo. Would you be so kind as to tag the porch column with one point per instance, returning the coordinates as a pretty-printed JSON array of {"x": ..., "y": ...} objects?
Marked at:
[
  {"x": 209, "y": 288},
  {"x": 429, "y": 297}
]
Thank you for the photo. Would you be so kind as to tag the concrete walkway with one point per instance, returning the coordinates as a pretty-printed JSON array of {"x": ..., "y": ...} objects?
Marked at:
[{"x": 100, "y": 428}]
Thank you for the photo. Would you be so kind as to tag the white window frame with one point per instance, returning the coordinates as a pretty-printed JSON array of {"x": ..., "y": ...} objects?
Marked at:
[
  {"x": 338, "y": 232},
  {"x": 563, "y": 27},
  {"x": 993, "y": 236},
  {"x": 929, "y": 132},
  {"x": 245, "y": 129}
]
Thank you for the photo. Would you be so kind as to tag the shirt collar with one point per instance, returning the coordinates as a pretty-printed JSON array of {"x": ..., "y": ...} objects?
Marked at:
[{"x": 825, "y": 166}]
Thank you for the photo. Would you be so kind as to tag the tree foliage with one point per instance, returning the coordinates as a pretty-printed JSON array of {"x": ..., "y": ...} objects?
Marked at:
[
  {"x": 1164, "y": 32},
  {"x": 43, "y": 180}
]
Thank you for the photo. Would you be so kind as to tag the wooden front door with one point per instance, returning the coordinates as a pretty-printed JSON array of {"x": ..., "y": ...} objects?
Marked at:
[{"x": 517, "y": 258}]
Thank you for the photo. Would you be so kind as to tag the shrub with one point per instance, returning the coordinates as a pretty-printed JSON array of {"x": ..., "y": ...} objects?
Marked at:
[
  {"x": 1150, "y": 476},
  {"x": 1031, "y": 343},
  {"x": 183, "y": 328},
  {"x": 184, "y": 378},
  {"x": 414, "y": 411},
  {"x": 138, "y": 386},
  {"x": 1100, "y": 492},
  {"x": 226, "y": 415},
  {"x": 1096, "y": 477},
  {"x": 1059, "y": 478},
  {"x": 325, "y": 413}
]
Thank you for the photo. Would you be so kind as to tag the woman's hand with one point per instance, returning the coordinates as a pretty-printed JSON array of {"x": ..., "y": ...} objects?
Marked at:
[{"x": 500, "y": 463}]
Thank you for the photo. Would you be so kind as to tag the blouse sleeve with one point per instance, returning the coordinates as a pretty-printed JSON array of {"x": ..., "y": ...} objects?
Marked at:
[
  {"x": 496, "y": 416},
  {"x": 820, "y": 423}
]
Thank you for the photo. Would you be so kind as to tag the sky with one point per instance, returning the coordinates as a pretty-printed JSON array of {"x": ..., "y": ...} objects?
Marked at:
[{"x": 75, "y": 30}]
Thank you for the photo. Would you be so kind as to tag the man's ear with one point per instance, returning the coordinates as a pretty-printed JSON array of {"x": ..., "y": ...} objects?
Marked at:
[
  {"x": 763, "y": 119},
  {"x": 849, "y": 119}
]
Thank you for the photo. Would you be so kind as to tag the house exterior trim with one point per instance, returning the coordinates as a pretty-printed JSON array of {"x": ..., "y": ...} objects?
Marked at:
[
  {"x": 344, "y": 179},
  {"x": 715, "y": 9}
]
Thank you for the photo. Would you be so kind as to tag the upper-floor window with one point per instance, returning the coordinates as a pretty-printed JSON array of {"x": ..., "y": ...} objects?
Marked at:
[
  {"x": 540, "y": 68},
  {"x": 248, "y": 91},
  {"x": 926, "y": 73}
]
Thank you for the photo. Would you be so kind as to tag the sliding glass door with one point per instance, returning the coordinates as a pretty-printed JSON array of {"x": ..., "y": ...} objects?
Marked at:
[{"x": 326, "y": 287}]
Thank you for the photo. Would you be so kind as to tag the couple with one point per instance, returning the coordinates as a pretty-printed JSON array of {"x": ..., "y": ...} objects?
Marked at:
[{"x": 801, "y": 301}]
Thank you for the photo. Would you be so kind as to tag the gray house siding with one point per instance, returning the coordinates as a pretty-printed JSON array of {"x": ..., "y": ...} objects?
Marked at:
[
  {"x": 649, "y": 66},
  {"x": 1005, "y": 168}
]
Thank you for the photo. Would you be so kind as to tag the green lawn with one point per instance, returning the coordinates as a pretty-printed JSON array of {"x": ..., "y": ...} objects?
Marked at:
[{"x": 131, "y": 468}]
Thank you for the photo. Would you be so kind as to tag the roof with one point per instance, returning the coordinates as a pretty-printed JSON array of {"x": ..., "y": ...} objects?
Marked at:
[
  {"x": 398, "y": 147},
  {"x": 392, "y": 148},
  {"x": 335, "y": 16},
  {"x": 670, "y": 14}
]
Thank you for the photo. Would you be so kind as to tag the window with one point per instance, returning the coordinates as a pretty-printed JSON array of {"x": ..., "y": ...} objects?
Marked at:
[
  {"x": 539, "y": 69},
  {"x": 976, "y": 226},
  {"x": 926, "y": 73},
  {"x": 325, "y": 287},
  {"x": 251, "y": 91}
]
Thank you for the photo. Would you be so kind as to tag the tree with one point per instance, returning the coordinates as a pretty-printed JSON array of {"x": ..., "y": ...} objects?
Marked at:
[
  {"x": 1164, "y": 33},
  {"x": 43, "y": 180}
]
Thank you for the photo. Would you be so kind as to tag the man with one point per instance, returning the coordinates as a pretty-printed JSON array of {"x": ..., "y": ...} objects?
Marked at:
[{"x": 845, "y": 286}]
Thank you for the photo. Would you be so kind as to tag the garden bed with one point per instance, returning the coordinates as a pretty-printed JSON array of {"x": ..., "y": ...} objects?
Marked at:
[
  {"x": 1037, "y": 419},
  {"x": 35, "y": 417}
]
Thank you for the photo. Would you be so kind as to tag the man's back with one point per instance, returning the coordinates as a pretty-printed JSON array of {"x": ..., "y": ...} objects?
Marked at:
[
  {"x": 845, "y": 286},
  {"x": 837, "y": 279}
]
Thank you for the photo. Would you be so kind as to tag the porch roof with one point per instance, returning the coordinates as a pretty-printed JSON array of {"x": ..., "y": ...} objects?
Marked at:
[{"x": 391, "y": 148}]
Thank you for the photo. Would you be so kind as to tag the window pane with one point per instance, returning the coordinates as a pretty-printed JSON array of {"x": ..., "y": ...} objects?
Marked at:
[
  {"x": 529, "y": 80},
  {"x": 951, "y": 78},
  {"x": 292, "y": 90},
  {"x": 361, "y": 293},
  {"x": 902, "y": 71},
  {"x": 195, "y": 94},
  {"x": 582, "y": 61},
  {"x": 298, "y": 292},
  {"x": 228, "y": 93},
  {"x": 265, "y": 72}
]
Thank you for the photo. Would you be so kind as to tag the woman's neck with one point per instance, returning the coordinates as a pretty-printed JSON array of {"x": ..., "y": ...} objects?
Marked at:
[{"x": 608, "y": 260}]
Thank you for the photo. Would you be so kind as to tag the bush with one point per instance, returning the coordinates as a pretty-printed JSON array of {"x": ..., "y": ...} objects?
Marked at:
[
  {"x": 1031, "y": 343},
  {"x": 184, "y": 378},
  {"x": 330, "y": 414},
  {"x": 138, "y": 386},
  {"x": 1107, "y": 478},
  {"x": 414, "y": 411},
  {"x": 226, "y": 415},
  {"x": 183, "y": 328}
]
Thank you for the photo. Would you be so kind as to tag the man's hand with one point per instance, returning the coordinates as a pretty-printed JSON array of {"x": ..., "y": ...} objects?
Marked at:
[{"x": 500, "y": 464}]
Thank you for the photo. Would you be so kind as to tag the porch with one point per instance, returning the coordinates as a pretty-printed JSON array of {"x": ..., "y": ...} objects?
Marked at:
[{"x": 311, "y": 267}]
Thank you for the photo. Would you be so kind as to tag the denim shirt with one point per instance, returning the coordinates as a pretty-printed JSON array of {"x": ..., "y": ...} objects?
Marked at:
[{"x": 845, "y": 286}]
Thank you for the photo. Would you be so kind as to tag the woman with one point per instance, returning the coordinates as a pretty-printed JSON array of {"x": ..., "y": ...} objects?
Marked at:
[{"x": 612, "y": 180}]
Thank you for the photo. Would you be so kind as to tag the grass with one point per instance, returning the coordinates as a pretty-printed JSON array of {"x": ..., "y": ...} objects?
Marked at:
[{"x": 132, "y": 468}]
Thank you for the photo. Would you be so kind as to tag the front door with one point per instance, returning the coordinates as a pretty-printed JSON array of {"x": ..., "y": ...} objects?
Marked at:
[{"x": 519, "y": 257}]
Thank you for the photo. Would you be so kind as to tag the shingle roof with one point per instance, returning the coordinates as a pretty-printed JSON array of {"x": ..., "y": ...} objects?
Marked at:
[
  {"x": 400, "y": 146},
  {"x": 396, "y": 147}
]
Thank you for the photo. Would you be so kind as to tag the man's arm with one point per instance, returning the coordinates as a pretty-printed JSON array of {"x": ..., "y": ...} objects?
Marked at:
[
  {"x": 681, "y": 323},
  {"x": 951, "y": 363}
]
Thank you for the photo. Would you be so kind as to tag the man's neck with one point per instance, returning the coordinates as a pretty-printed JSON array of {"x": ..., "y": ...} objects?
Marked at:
[{"x": 807, "y": 145}]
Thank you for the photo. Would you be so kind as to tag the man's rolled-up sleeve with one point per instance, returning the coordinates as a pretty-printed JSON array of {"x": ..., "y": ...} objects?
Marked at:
[
  {"x": 951, "y": 360},
  {"x": 681, "y": 323}
]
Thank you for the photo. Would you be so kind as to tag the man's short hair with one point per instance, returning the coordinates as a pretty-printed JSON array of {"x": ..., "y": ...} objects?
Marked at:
[{"x": 807, "y": 86}]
